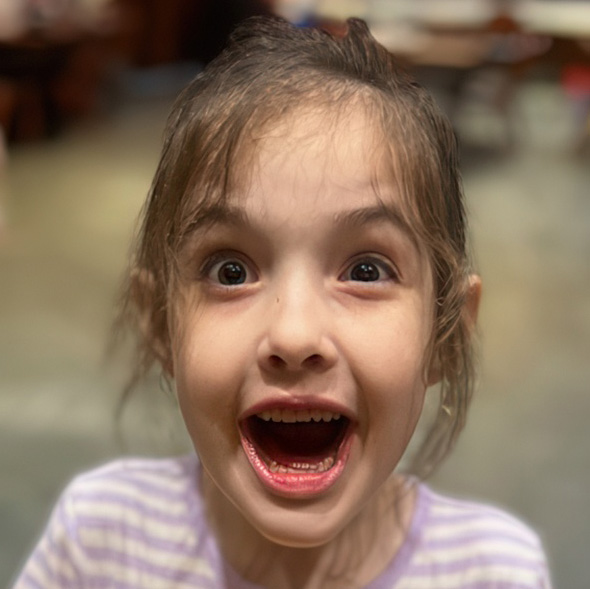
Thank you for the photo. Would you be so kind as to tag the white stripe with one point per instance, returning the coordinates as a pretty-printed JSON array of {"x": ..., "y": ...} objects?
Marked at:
[
  {"x": 485, "y": 546},
  {"x": 488, "y": 527},
  {"x": 157, "y": 480},
  {"x": 113, "y": 515}
]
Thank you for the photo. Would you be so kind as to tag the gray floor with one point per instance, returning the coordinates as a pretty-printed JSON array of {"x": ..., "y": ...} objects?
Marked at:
[{"x": 70, "y": 206}]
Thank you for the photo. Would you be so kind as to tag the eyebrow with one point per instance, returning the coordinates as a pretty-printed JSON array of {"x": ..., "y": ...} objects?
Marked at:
[
  {"x": 376, "y": 214},
  {"x": 229, "y": 215},
  {"x": 218, "y": 214},
  {"x": 368, "y": 215}
]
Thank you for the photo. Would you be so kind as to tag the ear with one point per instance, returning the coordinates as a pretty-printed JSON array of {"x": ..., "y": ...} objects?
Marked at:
[
  {"x": 472, "y": 300},
  {"x": 469, "y": 315},
  {"x": 152, "y": 321}
]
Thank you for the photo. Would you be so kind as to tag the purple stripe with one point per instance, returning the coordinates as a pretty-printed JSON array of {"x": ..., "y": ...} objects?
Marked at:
[
  {"x": 102, "y": 582},
  {"x": 135, "y": 485},
  {"x": 142, "y": 565},
  {"x": 136, "y": 533},
  {"x": 467, "y": 514},
  {"x": 180, "y": 470},
  {"x": 473, "y": 536}
]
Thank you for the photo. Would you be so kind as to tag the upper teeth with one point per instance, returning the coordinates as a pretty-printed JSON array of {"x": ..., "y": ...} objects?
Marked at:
[{"x": 293, "y": 416}]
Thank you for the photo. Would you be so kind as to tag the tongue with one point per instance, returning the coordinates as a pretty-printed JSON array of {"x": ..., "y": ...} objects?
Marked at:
[{"x": 296, "y": 442}]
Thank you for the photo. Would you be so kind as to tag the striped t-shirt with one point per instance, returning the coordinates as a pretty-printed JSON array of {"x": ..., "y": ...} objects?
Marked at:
[{"x": 139, "y": 524}]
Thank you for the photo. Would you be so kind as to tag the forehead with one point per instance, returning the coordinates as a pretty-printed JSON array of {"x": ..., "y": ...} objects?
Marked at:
[
  {"x": 327, "y": 158},
  {"x": 314, "y": 168},
  {"x": 345, "y": 136},
  {"x": 315, "y": 153}
]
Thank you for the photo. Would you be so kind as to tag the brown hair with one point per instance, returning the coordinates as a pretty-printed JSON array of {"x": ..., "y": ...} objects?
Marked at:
[{"x": 269, "y": 68}]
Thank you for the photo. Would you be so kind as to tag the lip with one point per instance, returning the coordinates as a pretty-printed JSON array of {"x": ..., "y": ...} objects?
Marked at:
[
  {"x": 294, "y": 403},
  {"x": 301, "y": 485}
]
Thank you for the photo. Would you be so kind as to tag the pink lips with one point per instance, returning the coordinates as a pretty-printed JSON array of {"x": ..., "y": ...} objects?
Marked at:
[{"x": 302, "y": 484}]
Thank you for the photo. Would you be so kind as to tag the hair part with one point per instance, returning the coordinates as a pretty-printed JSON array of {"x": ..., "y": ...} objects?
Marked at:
[{"x": 268, "y": 69}]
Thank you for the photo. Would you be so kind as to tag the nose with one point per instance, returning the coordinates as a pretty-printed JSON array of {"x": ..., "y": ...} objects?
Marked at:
[{"x": 297, "y": 334}]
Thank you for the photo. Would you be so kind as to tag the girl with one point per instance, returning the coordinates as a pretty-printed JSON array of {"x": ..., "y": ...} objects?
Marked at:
[{"x": 302, "y": 276}]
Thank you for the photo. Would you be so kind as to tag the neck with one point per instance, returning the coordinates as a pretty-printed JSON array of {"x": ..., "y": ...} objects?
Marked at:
[{"x": 355, "y": 557}]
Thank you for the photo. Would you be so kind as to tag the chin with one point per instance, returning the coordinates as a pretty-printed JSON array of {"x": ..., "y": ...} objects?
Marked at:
[
  {"x": 301, "y": 524},
  {"x": 297, "y": 531}
]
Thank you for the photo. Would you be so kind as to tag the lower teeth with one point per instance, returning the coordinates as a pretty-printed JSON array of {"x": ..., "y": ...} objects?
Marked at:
[{"x": 298, "y": 467}]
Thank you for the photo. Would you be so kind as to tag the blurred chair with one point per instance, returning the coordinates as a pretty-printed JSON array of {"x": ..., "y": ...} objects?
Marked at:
[
  {"x": 480, "y": 56},
  {"x": 52, "y": 55}
]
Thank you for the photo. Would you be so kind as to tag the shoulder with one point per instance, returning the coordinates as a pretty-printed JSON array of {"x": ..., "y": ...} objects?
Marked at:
[
  {"x": 138, "y": 477},
  {"x": 459, "y": 518},
  {"x": 464, "y": 543},
  {"x": 136, "y": 520},
  {"x": 144, "y": 499},
  {"x": 134, "y": 489}
]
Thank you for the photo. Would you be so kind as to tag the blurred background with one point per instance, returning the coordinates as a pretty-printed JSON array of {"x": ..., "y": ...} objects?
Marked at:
[{"x": 85, "y": 88}]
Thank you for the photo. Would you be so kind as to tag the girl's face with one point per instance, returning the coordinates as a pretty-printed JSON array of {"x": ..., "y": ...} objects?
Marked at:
[{"x": 304, "y": 316}]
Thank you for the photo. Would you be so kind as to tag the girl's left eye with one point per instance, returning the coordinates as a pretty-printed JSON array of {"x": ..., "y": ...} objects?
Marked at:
[{"x": 369, "y": 270}]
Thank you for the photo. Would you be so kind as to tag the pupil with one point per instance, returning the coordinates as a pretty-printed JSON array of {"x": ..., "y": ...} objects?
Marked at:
[
  {"x": 365, "y": 272},
  {"x": 231, "y": 273}
]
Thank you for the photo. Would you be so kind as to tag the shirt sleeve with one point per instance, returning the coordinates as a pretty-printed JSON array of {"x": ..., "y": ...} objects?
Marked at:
[
  {"x": 57, "y": 559},
  {"x": 467, "y": 544}
]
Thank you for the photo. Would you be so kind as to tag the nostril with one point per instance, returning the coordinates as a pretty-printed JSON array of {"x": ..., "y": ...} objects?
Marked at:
[
  {"x": 313, "y": 360},
  {"x": 276, "y": 361}
]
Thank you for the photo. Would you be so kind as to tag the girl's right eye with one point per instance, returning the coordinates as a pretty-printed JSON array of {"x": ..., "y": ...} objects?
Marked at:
[{"x": 228, "y": 272}]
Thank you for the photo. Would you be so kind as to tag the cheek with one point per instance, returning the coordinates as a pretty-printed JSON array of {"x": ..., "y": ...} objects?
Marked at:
[
  {"x": 199, "y": 379},
  {"x": 206, "y": 404},
  {"x": 389, "y": 367},
  {"x": 210, "y": 364},
  {"x": 389, "y": 349},
  {"x": 204, "y": 354}
]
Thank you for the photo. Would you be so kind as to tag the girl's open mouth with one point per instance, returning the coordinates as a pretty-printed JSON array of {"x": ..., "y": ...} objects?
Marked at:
[{"x": 297, "y": 452}]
